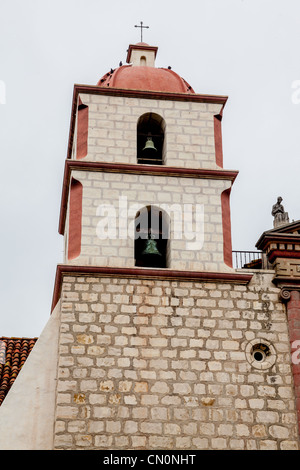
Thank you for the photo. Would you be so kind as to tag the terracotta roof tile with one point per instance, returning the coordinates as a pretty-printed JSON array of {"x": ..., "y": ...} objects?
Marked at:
[{"x": 13, "y": 354}]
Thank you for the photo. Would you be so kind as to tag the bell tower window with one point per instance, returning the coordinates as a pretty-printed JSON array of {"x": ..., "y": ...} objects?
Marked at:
[
  {"x": 151, "y": 244},
  {"x": 150, "y": 139}
]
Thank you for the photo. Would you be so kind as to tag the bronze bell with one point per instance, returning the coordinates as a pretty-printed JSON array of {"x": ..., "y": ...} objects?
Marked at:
[
  {"x": 149, "y": 145},
  {"x": 151, "y": 248}
]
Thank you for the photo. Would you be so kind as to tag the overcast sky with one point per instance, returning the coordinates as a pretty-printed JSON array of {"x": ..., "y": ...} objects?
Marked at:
[{"x": 248, "y": 50}]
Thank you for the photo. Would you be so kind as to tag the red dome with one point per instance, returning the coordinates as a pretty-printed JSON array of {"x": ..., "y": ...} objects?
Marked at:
[{"x": 145, "y": 78}]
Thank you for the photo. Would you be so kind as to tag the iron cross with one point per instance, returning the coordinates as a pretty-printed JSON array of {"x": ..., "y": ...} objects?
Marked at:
[{"x": 137, "y": 26}]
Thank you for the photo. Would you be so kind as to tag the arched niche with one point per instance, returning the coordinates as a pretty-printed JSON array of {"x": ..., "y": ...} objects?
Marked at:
[
  {"x": 151, "y": 129},
  {"x": 152, "y": 237}
]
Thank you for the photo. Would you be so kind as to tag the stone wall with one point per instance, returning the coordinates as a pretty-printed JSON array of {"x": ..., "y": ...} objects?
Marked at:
[
  {"x": 161, "y": 364},
  {"x": 112, "y": 131}
]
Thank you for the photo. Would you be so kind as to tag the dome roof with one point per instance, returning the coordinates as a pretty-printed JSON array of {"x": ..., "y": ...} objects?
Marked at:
[
  {"x": 141, "y": 73},
  {"x": 145, "y": 78}
]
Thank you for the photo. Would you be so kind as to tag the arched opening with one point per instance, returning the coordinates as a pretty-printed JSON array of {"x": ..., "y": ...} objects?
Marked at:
[
  {"x": 151, "y": 241},
  {"x": 150, "y": 139},
  {"x": 143, "y": 61}
]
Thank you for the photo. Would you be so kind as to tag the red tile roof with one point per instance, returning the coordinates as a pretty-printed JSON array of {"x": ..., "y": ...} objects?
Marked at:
[
  {"x": 13, "y": 354},
  {"x": 145, "y": 78}
]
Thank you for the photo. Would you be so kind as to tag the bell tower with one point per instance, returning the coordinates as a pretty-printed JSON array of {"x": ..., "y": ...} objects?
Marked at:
[
  {"x": 151, "y": 334},
  {"x": 155, "y": 342},
  {"x": 141, "y": 138}
]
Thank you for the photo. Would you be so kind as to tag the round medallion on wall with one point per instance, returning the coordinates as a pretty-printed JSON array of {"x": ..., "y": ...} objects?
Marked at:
[{"x": 260, "y": 353}]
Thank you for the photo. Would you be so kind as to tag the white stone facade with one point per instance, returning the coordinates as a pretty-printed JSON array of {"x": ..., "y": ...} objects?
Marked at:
[
  {"x": 200, "y": 246},
  {"x": 112, "y": 130},
  {"x": 189, "y": 143}
]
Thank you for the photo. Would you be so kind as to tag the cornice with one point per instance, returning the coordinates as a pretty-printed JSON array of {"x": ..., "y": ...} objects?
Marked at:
[
  {"x": 150, "y": 94},
  {"x": 276, "y": 237},
  {"x": 290, "y": 254}
]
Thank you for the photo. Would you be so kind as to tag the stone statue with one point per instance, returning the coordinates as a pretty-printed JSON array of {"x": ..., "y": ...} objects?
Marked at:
[{"x": 280, "y": 217}]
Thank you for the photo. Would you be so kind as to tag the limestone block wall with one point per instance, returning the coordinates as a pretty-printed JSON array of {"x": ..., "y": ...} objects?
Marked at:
[
  {"x": 199, "y": 246},
  {"x": 112, "y": 129},
  {"x": 165, "y": 364}
]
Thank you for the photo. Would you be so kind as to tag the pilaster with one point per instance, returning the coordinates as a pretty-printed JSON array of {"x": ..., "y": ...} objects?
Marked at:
[{"x": 282, "y": 248}]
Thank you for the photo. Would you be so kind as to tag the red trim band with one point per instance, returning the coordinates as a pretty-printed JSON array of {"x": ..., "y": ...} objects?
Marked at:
[
  {"x": 82, "y": 130},
  {"x": 218, "y": 138},
  {"x": 293, "y": 316},
  {"x": 75, "y": 216},
  {"x": 226, "y": 223},
  {"x": 283, "y": 254}
]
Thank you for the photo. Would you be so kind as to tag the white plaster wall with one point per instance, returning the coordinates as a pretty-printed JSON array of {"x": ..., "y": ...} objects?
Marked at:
[{"x": 27, "y": 413}]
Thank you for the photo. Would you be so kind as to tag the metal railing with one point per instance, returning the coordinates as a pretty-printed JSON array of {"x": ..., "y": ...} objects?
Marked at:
[{"x": 247, "y": 259}]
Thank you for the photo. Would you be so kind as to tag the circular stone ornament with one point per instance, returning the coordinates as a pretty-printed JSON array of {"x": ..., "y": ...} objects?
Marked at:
[{"x": 260, "y": 353}]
